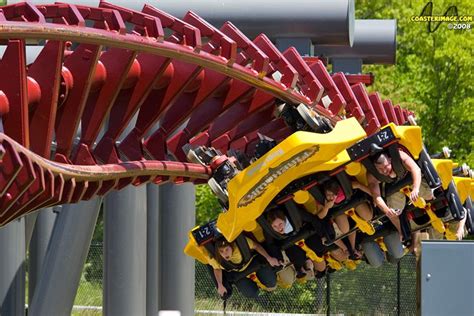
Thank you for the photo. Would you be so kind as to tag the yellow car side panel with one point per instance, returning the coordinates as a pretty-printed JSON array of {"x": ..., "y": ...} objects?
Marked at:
[
  {"x": 463, "y": 186},
  {"x": 445, "y": 171},
  {"x": 361, "y": 175},
  {"x": 194, "y": 250},
  {"x": 300, "y": 154},
  {"x": 258, "y": 234},
  {"x": 311, "y": 205},
  {"x": 354, "y": 168},
  {"x": 410, "y": 138}
]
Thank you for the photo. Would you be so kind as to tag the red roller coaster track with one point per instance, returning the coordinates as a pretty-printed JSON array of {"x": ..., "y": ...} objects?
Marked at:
[{"x": 175, "y": 82}]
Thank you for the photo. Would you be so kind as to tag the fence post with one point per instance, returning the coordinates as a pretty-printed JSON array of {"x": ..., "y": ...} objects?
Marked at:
[
  {"x": 328, "y": 293},
  {"x": 398, "y": 288}
]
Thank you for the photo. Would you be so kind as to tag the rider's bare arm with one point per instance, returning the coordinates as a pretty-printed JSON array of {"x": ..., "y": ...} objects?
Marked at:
[
  {"x": 375, "y": 192},
  {"x": 415, "y": 171},
  {"x": 325, "y": 209},
  {"x": 220, "y": 287},
  {"x": 360, "y": 186},
  {"x": 272, "y": 261}
]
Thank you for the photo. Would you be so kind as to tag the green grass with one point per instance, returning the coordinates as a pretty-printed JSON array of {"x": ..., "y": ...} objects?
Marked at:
[
  {"x": 86, "y": 313},
  {"x": 89, "y": 294}
]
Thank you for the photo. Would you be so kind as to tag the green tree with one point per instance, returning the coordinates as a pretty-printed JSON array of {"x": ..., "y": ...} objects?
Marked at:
[
  {"x": 432, "y": 75},
  {"x": 207, "y": 205}
]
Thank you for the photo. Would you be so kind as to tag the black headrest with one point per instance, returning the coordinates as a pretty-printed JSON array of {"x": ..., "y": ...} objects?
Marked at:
[
  {"x": 317, "y": 194},
  {"x": 346, "y": 183},
  {"x": 375, "y": 149},
  {"x": 264, "y": 145},
  {"x": 294, "y": 216}
]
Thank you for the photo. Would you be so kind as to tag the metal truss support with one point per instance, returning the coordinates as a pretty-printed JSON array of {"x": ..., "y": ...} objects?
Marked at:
[
  {"x": 59, "y": 279},
  {"x": 125, "y": 252},
  {"x": 177, "y": 217}
]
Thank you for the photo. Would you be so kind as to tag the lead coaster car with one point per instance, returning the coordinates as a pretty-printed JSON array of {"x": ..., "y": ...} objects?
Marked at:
[
  {"x": 224, "y": 168},
  {"x": 284, "y": 171}
]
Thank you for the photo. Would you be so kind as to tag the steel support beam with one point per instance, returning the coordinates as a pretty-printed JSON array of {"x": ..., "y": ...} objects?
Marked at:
[
  {"x": 347, "y": 65},
  {"x": 375, "y": 42},
  {"x": 177, "y": 217},
  {"x": 323, "y": 21},
  {"x": 302, "y": 45},
  {"x": 153, "y": 251},
  {"x": 12, "y": 270},
  {"x": 38, "y": 247},
  {"x": 62, "y": 268},
  {"x": 125, "y": 252}
]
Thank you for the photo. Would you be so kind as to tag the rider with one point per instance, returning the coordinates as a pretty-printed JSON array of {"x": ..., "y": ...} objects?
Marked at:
[
  {"x": 395, "y": 203},
  {"x": 229, "y": 252},
  {"x": 334, "y": 195},
  {"x": 281, "y": 225}
]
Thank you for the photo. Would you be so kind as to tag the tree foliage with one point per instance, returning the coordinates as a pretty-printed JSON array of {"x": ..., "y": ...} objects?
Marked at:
[
  {"x": 207, "y": 205},
  {"x": 432, "y": 74}
]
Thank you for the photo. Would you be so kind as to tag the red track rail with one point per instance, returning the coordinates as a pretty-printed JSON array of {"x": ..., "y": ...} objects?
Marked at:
[{"x": 120, "y": 92}]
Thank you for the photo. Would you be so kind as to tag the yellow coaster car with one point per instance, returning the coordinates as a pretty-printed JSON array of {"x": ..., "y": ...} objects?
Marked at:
[
  {"x": 294, "y": 169},
  {"x": 290, "y": 169},
  {"x": 300, "y": 155},
  {"x": 464, "y": 183}
]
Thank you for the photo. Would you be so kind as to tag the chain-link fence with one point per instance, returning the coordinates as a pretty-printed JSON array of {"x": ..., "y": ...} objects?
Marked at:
[
  {"x": 388, "y": 290},
  {"x": 309, "y": 297},
  {"x": 89, "y": 292}
]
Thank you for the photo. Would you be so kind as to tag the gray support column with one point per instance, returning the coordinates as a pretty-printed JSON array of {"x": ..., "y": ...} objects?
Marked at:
[
  {"x": 12, "y": 270},
  {"x": 125, "y": 252},
  {"x": 30, "y": 221},
  {"x": 67, "y": 252},
  {"x": 39, "y": 245},
  {"x": 304, "y": 46},
  {"x": 177, "y": 217},
  {"x": 324, "y": 21},
  {"x": 375, "y": 42},
  {"x": 153, "y": 251}
]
